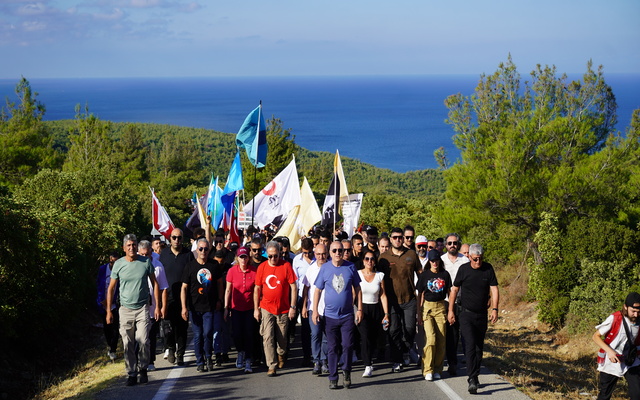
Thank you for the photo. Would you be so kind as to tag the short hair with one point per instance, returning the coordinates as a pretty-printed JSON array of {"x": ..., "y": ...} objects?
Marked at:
[
  {"x": 306, "y": 244},
  {"x": 346, "y": 241},
  {"x": 342, "y": 236},
  {"x": 453, "y": 234},
  {"x": 409, "y": 228},
  {"x": 198, "y": 232},
  {"x": 476, "y": 249},
  {"x": 326, "y": 235},
  {"x": 314, "y": 237},
  {"x": 129, "y": 237},
  {"x": 274, "y": 245},
  {"x": 385, "y": 238},
  {"x": 144, "y": 244},
  {"x": 257, "y": 241},
  {"x": 397, "y": 230},
  {"x": 114, "y": 254},
  {"x": 203, "y": 239},
  {"x": 357, "y": 236},
  {"x": 439, "y": 240}
]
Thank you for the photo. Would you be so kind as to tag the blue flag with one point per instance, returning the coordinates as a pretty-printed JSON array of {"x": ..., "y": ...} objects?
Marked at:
[
  {"x": 214, "y": 206},
  {"x": 252, "y": 137},
  {"x": 234, "y": 180}
]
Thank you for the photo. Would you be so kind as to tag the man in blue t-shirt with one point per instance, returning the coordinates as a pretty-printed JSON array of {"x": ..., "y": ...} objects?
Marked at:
[{"x": 337, "y": 277}]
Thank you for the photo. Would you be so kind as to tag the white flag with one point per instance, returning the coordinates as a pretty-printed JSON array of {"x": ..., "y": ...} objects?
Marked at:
[
  {"x": 273, "y": 203},
  {"x": 351, "y": 213}
]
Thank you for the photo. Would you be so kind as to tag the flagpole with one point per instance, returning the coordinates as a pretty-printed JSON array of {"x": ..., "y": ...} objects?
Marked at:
[{"x": 255, "y": 170}]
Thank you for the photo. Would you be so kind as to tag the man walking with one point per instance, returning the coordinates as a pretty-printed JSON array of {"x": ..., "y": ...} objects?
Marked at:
[
  {"x": 132, "y": 272},
  {"x": 337, "y": 279},
  {"x": 399, "y": 265},
  {"x": 452, "y": 260},
  {"x": 475, "y": 280},
  {"x": 274, "y": 300},
  {"x": 617, "y": 330},
  {"x": 174, "y": 259}
]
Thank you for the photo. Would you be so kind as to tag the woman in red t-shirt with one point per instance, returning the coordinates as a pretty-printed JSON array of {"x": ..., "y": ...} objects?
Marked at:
[{"x": 238, "y": 304}]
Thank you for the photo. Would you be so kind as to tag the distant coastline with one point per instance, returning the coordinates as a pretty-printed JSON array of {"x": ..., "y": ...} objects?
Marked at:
[{"x": 393, "y": 122}]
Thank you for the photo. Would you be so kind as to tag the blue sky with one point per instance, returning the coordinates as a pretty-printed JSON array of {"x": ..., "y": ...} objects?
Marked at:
[{"x": 185, "y": 38}]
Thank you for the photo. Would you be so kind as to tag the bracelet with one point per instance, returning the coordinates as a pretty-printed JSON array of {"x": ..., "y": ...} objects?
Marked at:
[
  {"x": 494, "y": 309},
  {"x": 292, "y": 307}
]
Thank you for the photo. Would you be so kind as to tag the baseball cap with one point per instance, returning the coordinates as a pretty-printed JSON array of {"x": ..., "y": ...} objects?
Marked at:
[
  {"x": 433, "y": 255},
  {"x": 421, "y": 239},
  {"x": 632, "y": 298},
  {"x": 242, "y": 251}
]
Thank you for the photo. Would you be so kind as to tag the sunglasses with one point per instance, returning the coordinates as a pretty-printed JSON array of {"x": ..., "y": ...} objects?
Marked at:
[
  {"x": 176, "y": 237},
  {"x": 337, "y": 251},
  {"x": 369, "y": 258},
  {"x": 396, "y": 237},
  {"x": 476, "y": 259},
  {"x": 452, "y": 243},
  {"x": 272, "y": 256},
  {"x": 347, "y": 250},
  {"x": 409, "y": 237},
  {"x": 254, "y": 250},
  {"x": 203, "y": 249},
  {"x": 243, "y": 256},
  {"x": 422, "y": 246}
]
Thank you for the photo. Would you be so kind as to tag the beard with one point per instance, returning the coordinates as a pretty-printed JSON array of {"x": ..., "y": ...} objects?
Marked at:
[{"x": 422, "y": 253}]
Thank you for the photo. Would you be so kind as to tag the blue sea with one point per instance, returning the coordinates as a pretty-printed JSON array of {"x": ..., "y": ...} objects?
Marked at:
[{"x": 393, "y": 122}]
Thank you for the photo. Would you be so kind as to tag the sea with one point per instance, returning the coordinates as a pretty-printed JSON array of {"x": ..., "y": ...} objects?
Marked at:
[{"x": 393, "y": 122}]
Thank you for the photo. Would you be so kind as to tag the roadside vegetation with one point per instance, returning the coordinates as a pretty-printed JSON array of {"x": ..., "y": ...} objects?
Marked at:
[{"x": 546, "y": 182}]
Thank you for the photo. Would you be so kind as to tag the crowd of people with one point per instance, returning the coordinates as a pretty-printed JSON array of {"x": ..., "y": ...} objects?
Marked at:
[{"x": 351, "y": 298}]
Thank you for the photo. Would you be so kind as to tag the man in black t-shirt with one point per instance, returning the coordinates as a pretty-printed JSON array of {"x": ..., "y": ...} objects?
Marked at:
[{"x": 476, "y": 281}]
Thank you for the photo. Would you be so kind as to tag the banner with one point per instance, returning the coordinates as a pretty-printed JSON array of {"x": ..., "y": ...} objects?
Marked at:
[{"x": 351, "y": 213}]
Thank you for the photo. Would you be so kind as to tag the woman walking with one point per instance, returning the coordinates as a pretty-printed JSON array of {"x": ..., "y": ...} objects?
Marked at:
[{"x": 374, "y": 307}]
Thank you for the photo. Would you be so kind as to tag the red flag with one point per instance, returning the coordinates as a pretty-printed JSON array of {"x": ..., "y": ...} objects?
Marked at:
[{"x": 161, "y": 220}]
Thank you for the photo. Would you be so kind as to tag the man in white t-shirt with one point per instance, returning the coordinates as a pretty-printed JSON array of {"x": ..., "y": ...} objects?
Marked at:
[
  {"x": 611, "y": 362},
  {"x": 452, "y": 261},
  {"x": 318, "y": 337}
]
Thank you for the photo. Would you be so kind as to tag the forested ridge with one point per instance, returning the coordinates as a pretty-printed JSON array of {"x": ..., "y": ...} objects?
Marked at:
[{"x": 546, "y": 182}]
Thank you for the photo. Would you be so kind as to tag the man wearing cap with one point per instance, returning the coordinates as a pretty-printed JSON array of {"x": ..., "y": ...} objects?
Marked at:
[
  {"x": 476, "y": 281},
  {"x": 399, "y": 265},
  {"x": 421, "y": 250},
  {"x": 452, "y": 260},
  {"x": 617, "y": 329},
  {"x": 274, "y": 300}
]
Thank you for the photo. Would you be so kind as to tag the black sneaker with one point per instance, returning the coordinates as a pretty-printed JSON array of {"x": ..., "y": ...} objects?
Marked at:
[
  {"x": 143, "y": 376},
  {"x": 202, "y": 368},
  {"x": 131, "y": 381},
  {"x": 317, "y": 369},
  {"x": 172, "y": 356},
  {"x": 333, "y": 384},
  {"x": 210, "y": 365},
  {"x": 218, "y": 360},
  {"x": 180, "y": 361},
  {"x": 473, "y": 386},
  {"x": 347, "y": 379}
]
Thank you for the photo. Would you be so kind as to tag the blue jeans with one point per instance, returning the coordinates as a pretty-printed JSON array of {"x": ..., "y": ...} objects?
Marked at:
[
  {"x": 339, "y": 332},
  {"x": 318, "y": 340},
  {"x": 221, "y": 333},
  {"x": 202, "y": 326}
]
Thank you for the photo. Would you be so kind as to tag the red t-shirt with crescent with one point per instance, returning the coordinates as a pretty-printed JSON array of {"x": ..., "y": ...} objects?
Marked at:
[{"x": 276, "y": 289}]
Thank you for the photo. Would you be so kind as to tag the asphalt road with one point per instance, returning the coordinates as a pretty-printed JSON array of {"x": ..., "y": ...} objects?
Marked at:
[{"x": 170, "y": 382}]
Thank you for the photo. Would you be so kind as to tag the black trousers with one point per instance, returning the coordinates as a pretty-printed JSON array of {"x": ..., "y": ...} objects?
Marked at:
[
  {"x": 177, "y": 340},
  {"x": 153, "y": 339},
  {"x": 111, "y": 331},
  {"x": 607, "y": 384},
  {"x": 402, "y": 328},
  {"x": 473, "y": 327},
  {"x": 453, "y": 338},
  {"x": 370, "y": 329}
]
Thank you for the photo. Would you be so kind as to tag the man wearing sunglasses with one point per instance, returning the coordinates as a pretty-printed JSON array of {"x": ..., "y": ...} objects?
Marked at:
[
  {"x": 452, "y": 260},
  {"x": 409, "y": 236},
  {"x": 399, "y": 265},
  {"x": 174, "y": 260},
  {"x": 274, "y": 300},
  {"x": 301, "y": 264},
  {"x": 339, "y": 281},
  {"x": 477, "y": 282}
]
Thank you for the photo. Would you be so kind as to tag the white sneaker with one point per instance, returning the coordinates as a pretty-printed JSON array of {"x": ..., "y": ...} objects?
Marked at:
[
  {"x": 247, "y": 366},
  {"x": 436, "y": 376},
  {"x": 151, "y": 367},
  {"x": 166, "y": 354},
  {"x": 397, "y": 367},
  {"x": 240, "y": 360},
  {"x": 112, "y": 355},
  {"x": 428, "y": 377},
  {"x": 368, "y": 371}
]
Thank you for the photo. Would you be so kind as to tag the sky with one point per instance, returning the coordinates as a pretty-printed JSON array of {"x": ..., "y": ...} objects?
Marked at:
[{"x": 197, "y": 38}]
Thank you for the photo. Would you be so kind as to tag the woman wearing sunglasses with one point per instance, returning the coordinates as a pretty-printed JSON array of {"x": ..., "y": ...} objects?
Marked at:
[{"x": 374, "y": 307}]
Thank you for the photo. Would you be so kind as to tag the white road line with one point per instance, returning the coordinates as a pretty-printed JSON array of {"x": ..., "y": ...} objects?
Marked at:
[
  {"x": 446, "y": 389},
  {"x": 170, "y": 381}
]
